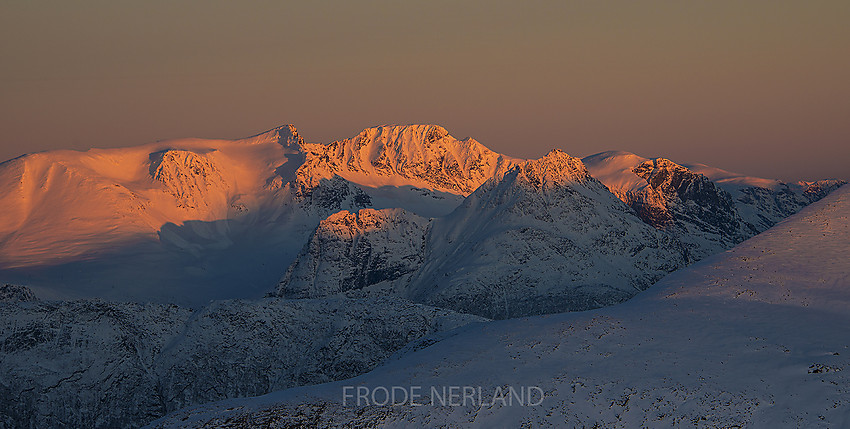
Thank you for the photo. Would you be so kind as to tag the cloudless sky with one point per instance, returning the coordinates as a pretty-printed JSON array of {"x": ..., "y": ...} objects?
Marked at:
[{"x": 758, "y": 87}]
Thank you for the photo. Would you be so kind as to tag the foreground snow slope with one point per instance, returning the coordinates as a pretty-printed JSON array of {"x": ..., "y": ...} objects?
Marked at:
[{"x": 755, "y": 336}]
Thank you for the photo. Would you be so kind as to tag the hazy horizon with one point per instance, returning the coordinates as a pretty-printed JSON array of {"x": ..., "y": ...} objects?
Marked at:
[{"x": 758, "y": 88}]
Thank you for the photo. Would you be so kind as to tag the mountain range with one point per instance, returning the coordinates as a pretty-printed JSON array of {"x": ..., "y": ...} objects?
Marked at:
[
  {"x": 192, "y": 220},
  {"x": 160, "y": 268}
]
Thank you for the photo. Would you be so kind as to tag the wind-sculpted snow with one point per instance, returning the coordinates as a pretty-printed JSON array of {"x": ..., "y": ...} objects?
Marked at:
[
  {"x": 91, "y": 364},
  {"x": 754, "y": 337}
]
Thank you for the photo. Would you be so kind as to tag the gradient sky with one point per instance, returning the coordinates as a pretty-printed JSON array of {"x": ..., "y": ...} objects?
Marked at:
[{"x": 758, "y": 87}]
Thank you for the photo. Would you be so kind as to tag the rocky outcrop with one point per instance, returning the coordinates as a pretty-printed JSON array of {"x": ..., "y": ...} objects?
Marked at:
[
  {"x": 353, "y": 250},
  {"x": 15, "y": 293},
  {"x": 193, "y": 179},
  {"x": 707, "y": 208},
  {"x": 416, "y": 155},
  {"x": 701, "y": 214}
]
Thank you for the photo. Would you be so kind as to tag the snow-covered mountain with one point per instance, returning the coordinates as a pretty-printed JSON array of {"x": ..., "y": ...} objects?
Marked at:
[
  {"x": 424, "y": 156},
  {"x": 543, "y": 237},
  {"x": 167, "y": 221},
  {"x": 420, "y": 168},
  {"x": 764, "y": 202},
  {"x": 187, "y": 220},
  {"x": 133, "y": 257},
  {"x": 669, "y": 196},
  {"x": 708, "y": 209},
  {"x": 752, "y": 337},
  {"x": 93, "y": 363},
  {"x": 546, "y": 237}
]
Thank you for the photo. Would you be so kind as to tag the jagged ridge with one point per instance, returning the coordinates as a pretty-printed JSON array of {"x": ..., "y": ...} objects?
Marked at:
[{"x": 419, "y": 155}]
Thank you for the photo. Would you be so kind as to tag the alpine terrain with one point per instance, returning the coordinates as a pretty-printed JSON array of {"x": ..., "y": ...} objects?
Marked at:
[
  {"x": 137, "y": 281},
  {"x": 752, "y": 337}
]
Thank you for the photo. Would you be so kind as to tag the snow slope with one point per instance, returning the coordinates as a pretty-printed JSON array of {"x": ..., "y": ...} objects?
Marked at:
[
  {"x": 752, "y": 337},
  {"x": 141, "y": 222}
]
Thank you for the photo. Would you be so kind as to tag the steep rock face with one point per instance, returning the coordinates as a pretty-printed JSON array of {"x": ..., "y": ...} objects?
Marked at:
[
  {"x": 704, "y": 214},
  {"x": 671, "y": 197},
  {"x": 545, "y": 238},
  {"x": 15, "y": 293},
  {"x": 328, "y": 196},
  {"x": 193, "y": 179},
  {"x": 353, "y": 250},
  {"x": 762, "y": 203},
  {"x": 694, "y": 199},
  {"x": 424, "y": 156},
  {"x": 762, "y": 208},
  {"x": 98, "y": 364},
  {"x": 816, "y": 190}
]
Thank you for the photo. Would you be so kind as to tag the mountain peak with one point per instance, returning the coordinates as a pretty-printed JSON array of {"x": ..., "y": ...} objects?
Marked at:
[
  {"x": 423, "y": 156},
  {"x": 556, "y": 167},
  {"x": 394, "y": 133},
  {"x": 284, "y": 135},
  {"x": 615, "y": 157},
  {"x": 662, "y": 163},
  {"x": 663, "y": 173}
]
